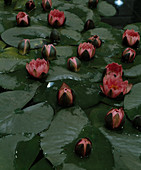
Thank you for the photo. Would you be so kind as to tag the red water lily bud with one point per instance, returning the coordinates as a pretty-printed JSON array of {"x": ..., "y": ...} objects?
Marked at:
[
  {"x": 115, "y": 118},
  {"x": 86, "y": 51},
  {"x": 65, "y": 96},
  {"x": 22, "y": 19},
  {"x": 56, "y": 18},
  {"x": 92, "y": 3},
  {"x": 114, "y": 86},
  {"x": 114, "y": 69},
  {"x": 95, "y": 40},
  {"x": 55, "y": 36},
  {"x": 137, "y": 122},
  {"x": 89, "y": 24},
  {"x": 30, "y": 4},
  {"x": 49, "y": 52},
  {"x": 46, "y": 4},
  {"x": 128, "y": 55},
  {"x": 24, "y": 46},
  {"x": 74, "y": 64},
  {"x": 83, "y": 147},
  {"x": 131, "y": 38},
  {"x": 38, "y": 68},
  {"x": 8, "y": 2}
]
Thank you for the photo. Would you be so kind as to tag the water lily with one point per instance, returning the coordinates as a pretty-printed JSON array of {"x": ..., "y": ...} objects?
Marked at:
[
  {"x": 92, "y": 3},
  {"x": 86, "y": 51},
  {"x": 89, "y": 24},
  {"x": 65, "y": 96},
  {"x": 46, "y": 4},
  {"x": 74, "y": 64},
  {"x": 128, "y": 55},
  {"x": 114, "y": 69},
  {"x": 83, "y": 147},
  {"x": 22, "y": 19},
  {"x": 131, "y": 38},
  {"x": 95, "y": 40},
  {"x": 114, "y": 86},
  {"x": 30, "y": 4},
  {"x": 37, "y": 68},
  {"x": 49, "y": 52},
  {"x": 55, "y": 36},
  {"x": 115, "y": 118},
  {"x": 24, "y": 46},
  {"x": 56, "y": 18}
]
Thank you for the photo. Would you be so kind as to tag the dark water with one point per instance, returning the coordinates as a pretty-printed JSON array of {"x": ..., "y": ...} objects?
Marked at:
[{"x": 127, "y": 13}]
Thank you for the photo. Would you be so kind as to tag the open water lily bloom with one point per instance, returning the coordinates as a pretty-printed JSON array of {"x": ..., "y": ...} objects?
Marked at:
[
  {"x": 115, "y": 118},
  {"x": 114, "y": 69},
  {"x": 131, "y": 38},
  {"x": 22, "y": 19},
  {"x": 56, "y": 18},
  {"x": 114, "y": 86},
  {"x": 86, "y": 51},
  {"x": 37, "y": 67}
]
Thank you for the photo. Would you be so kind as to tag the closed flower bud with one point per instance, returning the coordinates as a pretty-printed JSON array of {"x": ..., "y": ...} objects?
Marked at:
[
  {"x": 38, "y": 68},
  {"x": 83, "y": 147},
  {"x": 49, "y": 52},
  {"x": 22, "y": 19},
  {"x": 137, "y": 122},
  {"x": 46, "y": 4},
  {"x": 56, "y": 18},
  {"x": 89, "y": 25},
  {"x": 55, "y": 36},
  {"x": 30, "y": 4},
  {"x": 128, "y": 55},
  {"x": 92, "y": 3},
  {"x": 95, "y": 40},
  {"x": 74, "y": 64},
  {"x": 65, "y": 96},
  {"x": 86, "y": 51},
  {"x": 8, "y": 2},
  {"x": 115, "y": 118},
  {"x": 24, "y": 46},
  {"x": 131, "y": 38}
]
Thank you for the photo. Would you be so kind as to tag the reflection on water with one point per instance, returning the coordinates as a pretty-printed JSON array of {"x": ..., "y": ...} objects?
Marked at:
[{"x": 128, "y": 11}]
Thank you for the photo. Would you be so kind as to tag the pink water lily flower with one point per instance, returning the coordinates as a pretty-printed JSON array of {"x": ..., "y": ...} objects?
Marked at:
[
  {"x": 115, "y": 118},
  {"x": 56, "y": 18},
  {"x": 49, "y": 52},
  {"x": 46, "y": 4},
  {"x": 114, "y": 69},
  {"x": 128, "y": 55},
  {"x": 86, "y": 51},
  {"x": 36, "y": 67},
  {"x": 131, "y": 38},
  {"x": 114, "y": 86},
  {"x": 22, "y": 19}
]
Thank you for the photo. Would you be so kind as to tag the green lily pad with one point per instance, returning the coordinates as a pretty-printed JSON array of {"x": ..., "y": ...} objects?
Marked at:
[
  {"x": 36, "y": 34},
  {"x": 32, "y": 119},
  {"x": 26, "y": 153},
  {"x": 70, "y": 166},
  {"x": 69, "y": 123},
  {"x": 132, "y": 101},
  {"x": 8, "y": 146},
  {"x": 106, "y": 9},
  {"x": 133, "y": 71}
]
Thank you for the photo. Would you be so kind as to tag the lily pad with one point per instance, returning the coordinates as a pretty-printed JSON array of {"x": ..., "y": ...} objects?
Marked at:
[
  {"x": 106, "y": 9},
  {"x": 8, "y": 146},
  {"x": 69, "y": 123},
  {"x": 133, "y": 71},
  {"x": 36, "y": 34},
  {"x": 32, "y": 119},
  {"x": 132, "y": 101}
]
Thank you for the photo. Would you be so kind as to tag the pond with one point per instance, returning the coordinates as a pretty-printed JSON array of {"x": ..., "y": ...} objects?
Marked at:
[{"x": 70, "y": 100}]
